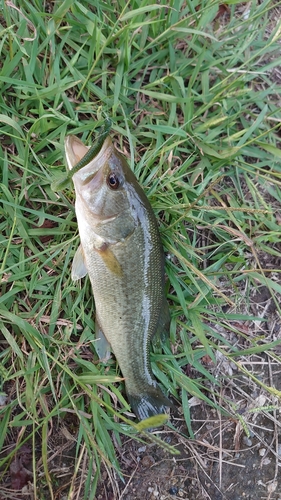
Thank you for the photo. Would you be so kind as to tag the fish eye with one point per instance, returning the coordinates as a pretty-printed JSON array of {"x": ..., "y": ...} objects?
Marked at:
[{"x": 113, "y": 181}]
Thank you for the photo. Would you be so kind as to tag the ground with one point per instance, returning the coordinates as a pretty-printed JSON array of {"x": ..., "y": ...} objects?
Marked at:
[
  {"x": 234, "y": 455},
  {"x": 228, "y": 458}
]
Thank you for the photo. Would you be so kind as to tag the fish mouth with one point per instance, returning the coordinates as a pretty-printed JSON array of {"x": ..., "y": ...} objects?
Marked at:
[{"x": 75, "y": 150}]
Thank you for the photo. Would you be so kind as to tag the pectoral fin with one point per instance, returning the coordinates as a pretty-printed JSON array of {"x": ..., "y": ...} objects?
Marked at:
[
  {"x": 110, "y": 260},
  {"x": 79, "y": 269}
]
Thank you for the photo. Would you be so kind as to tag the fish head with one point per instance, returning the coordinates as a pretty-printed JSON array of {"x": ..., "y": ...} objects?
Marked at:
[{"x": 103, "y": 189}]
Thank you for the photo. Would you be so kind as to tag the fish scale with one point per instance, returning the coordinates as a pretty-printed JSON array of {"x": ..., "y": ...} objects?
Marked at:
[{"x": 120, "y": 308}]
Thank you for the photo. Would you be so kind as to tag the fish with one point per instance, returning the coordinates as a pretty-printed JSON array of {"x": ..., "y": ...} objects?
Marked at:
[{"x": 121, "y": 251}]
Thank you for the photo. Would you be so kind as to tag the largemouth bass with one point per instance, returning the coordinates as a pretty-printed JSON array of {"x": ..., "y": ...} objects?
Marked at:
[{"x": 122, "y": 253}]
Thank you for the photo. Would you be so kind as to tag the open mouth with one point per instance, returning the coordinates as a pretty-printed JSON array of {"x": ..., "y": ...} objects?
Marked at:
[{"x": 75, "y": 150}]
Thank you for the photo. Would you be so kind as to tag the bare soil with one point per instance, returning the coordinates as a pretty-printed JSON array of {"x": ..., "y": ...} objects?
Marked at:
[{"x": 231, "y": 459}]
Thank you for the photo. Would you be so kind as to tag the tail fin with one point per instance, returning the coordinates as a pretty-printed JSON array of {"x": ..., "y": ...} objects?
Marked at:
[{"x": 147, "y": 405}]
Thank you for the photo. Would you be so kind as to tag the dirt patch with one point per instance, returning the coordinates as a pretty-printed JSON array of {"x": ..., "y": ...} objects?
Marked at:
[
  {"x": 229, "y": 458},
  {"x": 223, "y": 462}
]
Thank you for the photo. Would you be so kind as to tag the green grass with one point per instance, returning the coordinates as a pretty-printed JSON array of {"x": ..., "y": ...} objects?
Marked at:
[{"x": 195, "y": 110}]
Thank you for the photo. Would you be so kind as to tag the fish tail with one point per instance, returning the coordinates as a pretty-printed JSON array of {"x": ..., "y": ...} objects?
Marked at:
[{"x": 145, "y": 406}]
